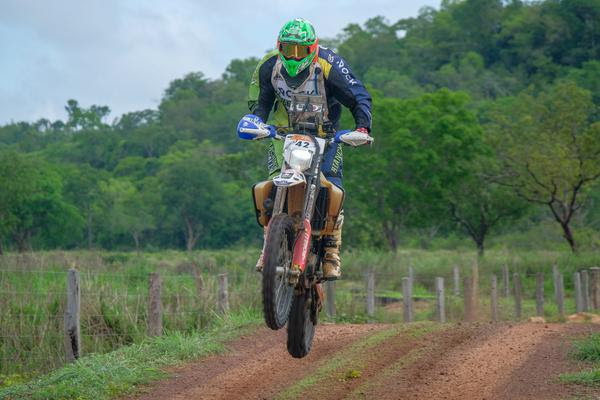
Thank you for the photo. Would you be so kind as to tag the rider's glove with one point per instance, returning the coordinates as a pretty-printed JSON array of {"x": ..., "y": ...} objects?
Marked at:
[
  {"x": 252, "y": 127},
  {"x": 354, "y": 138}
]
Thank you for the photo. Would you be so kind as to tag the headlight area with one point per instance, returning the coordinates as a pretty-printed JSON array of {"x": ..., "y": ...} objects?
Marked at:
[{"x": 300, "y": 159}]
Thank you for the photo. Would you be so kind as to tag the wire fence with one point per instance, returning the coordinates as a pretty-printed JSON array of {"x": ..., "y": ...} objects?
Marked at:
[
  {"x": 113, "y": 311},
  {"x": 46, "y": 312}
]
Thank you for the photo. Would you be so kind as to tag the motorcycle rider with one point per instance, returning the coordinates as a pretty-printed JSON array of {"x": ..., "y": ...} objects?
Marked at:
[{"x": 299, "y": 66}]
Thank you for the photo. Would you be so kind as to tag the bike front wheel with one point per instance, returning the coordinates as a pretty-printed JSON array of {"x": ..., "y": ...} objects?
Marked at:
[
  {"x": 301, "y": 326},
  {"x": 277, "y": 293}
]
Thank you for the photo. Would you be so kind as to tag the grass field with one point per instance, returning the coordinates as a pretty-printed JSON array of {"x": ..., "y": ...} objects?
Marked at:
[
  {"x": 586, "y": 350},
  {"x": 114, "y": 289},
  {"x": 105, "y": 376}
]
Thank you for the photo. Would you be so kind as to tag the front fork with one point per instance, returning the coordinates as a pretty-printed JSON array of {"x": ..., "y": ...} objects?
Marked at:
[{"x": 301, "y": 247}]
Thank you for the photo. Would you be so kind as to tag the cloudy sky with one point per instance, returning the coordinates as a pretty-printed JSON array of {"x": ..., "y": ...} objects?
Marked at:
[{"x": 124, "y": 53}]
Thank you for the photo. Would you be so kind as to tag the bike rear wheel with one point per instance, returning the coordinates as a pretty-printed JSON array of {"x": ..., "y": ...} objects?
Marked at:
[
  {"x": 301, "y": 326},
  {"x": 277, "y": 293}
]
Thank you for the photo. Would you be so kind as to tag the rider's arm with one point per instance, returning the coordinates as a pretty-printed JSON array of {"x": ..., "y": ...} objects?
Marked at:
[
  {"x": 254, "y": 88},
  {"x": 347, "y": 89},
  {"x": 266, "y": 95}
]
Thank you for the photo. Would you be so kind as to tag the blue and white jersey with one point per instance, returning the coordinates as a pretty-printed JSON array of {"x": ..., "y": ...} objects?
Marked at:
[{"x": 341, "y": 88}]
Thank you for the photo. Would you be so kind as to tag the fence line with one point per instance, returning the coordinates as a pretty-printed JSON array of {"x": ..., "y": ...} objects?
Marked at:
[
  {"x": 153, "y": 305},
  {"x": 141, "y": 277}
]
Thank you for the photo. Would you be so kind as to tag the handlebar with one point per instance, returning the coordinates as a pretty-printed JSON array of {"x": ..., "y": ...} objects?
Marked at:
[{"x": 263, "y": 133}]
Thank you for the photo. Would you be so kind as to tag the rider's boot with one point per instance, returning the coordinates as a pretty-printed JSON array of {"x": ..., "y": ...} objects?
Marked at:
[
  {"x": 260, "y": 262},
  {"x": 331, "y": 259}
]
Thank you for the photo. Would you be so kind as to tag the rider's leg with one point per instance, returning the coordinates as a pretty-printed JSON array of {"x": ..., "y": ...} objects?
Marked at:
[
  {"x": 332, "y": 169},
  {"x": 331, "y": 259},
  {"x": 260, "y": 262},
  {"x": 274, "y": 161}
]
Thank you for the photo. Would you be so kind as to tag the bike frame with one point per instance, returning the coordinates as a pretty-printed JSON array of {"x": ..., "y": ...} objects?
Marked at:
[{"x": 313, "y": 184}]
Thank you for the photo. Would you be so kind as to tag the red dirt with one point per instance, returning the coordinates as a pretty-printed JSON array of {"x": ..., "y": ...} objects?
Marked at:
[
  {"x": 475, "y": 361},
  {"x": 256, "y": 367}
]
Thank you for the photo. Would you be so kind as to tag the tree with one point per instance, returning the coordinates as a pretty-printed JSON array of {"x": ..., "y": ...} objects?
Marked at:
[
  {"x": 14, "y": 179},
  {"x": 479, "y": 204},
  {"x": 240, "y": 70},
  {"x": 128, "y": 210},
  {"x": 422, "y": 148},
  {"x": 32, "y": 202},
  {"x": 85, "y": 118},
  {"x": 550, "y": 150},
  {"x": 194, "y": 195},
  {"x": 81, "y": 188},
  {"x": 197, "y": 108},
  {"x": 588, "y": 77}
]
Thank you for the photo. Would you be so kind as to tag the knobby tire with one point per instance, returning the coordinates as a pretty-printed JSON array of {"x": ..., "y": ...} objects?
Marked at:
[
  {"x": 278, "y": 252},
  {"x": 301, "y": 328}
]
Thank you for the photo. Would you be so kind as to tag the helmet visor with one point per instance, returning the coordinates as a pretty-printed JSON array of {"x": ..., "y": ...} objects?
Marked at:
[{"x": 296, "y": 51}]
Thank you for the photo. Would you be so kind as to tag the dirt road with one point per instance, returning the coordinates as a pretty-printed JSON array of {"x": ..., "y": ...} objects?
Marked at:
[{"x": 415, "y": 361}]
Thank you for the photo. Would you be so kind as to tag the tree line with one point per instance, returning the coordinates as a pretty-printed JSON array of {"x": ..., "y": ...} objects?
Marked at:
[{"x": 485, "y": 113}]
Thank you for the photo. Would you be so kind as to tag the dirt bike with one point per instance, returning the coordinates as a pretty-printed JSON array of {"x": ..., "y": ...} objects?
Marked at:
[{"x": 299, "y": 207}]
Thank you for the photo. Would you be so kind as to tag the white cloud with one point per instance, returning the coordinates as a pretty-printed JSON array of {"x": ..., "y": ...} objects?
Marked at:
[{"x": 124, "y": 54}]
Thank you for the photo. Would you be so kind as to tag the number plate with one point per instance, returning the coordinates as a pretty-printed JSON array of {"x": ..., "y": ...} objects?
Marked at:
[{"x": 304, "y": 142}]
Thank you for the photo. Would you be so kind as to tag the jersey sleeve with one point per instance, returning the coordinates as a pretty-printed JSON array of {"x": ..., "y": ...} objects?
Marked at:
[
  {"x": 261, "y": 95},
  {"x": 346, "y": 88},
  {"x": 254, "y": 88}
]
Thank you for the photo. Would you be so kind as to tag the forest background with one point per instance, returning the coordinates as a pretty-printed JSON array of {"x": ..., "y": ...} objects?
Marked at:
[{"x": 486, "y": 124}]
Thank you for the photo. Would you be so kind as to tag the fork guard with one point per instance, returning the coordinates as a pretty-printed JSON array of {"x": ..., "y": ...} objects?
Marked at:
[{"x": 301, "y": 247}]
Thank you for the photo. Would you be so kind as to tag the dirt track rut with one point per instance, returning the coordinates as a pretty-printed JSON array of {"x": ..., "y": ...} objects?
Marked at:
[{"x": 420, "y": 361}]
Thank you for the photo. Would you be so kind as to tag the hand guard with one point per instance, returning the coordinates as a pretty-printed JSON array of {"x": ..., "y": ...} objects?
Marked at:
[
  {"x": 252, "y": 127},
  {"x": 353, "y": 138}
]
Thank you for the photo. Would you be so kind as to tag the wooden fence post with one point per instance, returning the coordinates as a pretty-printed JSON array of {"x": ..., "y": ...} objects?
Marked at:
[
  {"x": 411, "y": 275},
  {"x": 555, "y": 279},
  {"x": 199, "y": 281},
  {"x": 585, "y": 289},
  {"x": 468, "y": 299},
  {"x": 560, "y": 296},
  {"x": 595, "y": 287},
  {"x": 539, "y": 294},
  {"x": 440, "y": 305},
  {"x": 371, "y": 293},
  {"x": 330, "y": 296},
  {"x": 475, "y": 288},
  {"x": 155, "y": 305},
  {"x": 223, "y": 298},
  {"x": 456, "y": 276},
  {"x": 505, "y": 281},
  {"x": 578, "y": 293},
  {"x": 71, "y": 323},
  {"x": 407, "y": 299},
  {"x": 517, "y": 285},
  {"x": 494, "y": 302}
]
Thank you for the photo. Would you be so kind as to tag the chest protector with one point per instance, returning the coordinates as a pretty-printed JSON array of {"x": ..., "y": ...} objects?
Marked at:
[{"x": 306, "y": 105}]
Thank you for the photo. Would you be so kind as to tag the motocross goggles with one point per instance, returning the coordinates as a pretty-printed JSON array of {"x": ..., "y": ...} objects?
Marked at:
[{"x": 296, "y": 51}]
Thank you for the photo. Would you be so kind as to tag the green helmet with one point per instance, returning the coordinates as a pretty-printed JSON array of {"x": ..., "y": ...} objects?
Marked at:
[{"x": 298, "y": 45}]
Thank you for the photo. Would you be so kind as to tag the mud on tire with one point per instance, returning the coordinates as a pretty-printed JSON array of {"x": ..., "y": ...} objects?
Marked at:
[
  {"x": 301, "y": 328},
  {"x": 277, "y": 294}
]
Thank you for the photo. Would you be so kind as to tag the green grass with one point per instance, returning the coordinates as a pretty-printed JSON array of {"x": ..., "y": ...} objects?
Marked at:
[
  {"x": 105, "y": 376},
  {"x": 586, "y": 350},
  {"x": 114, "y": 296},
  {"x": 114, "y": 287},
  {"x": 588, "y": 377},
  {"x": 419, "y": 292}
]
